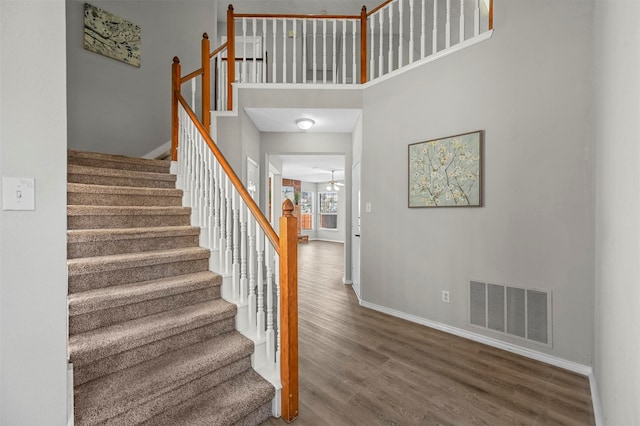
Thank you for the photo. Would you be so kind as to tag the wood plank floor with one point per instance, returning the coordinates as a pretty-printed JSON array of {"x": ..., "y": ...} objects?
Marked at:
[{"x": 362, "y": 367}]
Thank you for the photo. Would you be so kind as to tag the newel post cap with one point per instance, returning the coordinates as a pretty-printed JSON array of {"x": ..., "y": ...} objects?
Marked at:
[{"x": 287, "y": 208}]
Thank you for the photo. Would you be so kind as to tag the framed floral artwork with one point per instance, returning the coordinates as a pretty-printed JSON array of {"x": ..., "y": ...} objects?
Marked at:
[
  {"x": 111, "y": 36},
  {"x": 446, "y": 172}
]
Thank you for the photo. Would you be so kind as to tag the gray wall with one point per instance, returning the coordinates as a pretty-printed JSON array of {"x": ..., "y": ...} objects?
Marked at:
[
  {"x": 617, "y": 153},
  {"x": 531, "y": 92},
  {"x": 117, "y": 108},
  {"x": 33, "y": 270}
]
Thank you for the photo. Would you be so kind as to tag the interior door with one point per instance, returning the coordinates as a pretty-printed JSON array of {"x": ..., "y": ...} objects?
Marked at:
[{"x": 355, "y": 228}]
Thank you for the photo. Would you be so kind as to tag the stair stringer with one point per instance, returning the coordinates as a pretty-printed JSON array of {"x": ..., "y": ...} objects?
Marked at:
[{"x": 259, "y": 358}]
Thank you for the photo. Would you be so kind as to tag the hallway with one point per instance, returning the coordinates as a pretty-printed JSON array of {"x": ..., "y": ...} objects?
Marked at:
[{"x": 362, "y": 367}]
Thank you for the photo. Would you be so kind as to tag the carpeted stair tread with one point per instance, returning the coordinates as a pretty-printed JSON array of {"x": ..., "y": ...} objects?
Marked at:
[
  {"x": 87, "y": 194},
  {"x": 116, "y": 177},
  {"x": 106, "y": 341},
  {"x": 226, "y": 404},
  {"x": 92, "y": 235},
  {"x": 89, "y": 265},
  {"x": 127, "y": 210},
  {"x": 113, "y": 161},
  {"x": 111, "y": 395},
  {"x": 110, "y": 297},
  {"x": 98, "y": 242}
]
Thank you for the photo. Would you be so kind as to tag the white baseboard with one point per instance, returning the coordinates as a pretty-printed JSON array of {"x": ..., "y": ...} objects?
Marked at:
[
  {"x": 158, "y": 151},
  {"x": 595, "y": 400},
  {"x": 529, "y": 353}
]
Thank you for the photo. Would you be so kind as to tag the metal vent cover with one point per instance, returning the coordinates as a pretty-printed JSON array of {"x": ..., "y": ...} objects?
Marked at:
[{"x": 516, "y": 311}]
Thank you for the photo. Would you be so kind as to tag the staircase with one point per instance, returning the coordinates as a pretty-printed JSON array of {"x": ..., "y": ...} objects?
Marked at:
[{"x": 150, "y": 338}]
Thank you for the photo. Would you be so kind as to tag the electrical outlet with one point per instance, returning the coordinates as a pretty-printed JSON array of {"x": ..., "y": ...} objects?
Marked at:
[{"x": 446, "y": 296}]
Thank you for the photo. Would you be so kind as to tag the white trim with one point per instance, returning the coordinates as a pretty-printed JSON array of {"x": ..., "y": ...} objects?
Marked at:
[
  {"x": 529, "y": 353},
  {"x": 595, "y": 400},
  {"x": 324, "y": 239},
  {"x": 159, "y": 150},
  {"x": 345, "y": 281}
]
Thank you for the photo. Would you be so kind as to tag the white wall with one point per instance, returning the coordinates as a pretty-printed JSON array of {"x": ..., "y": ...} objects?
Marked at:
[
  {"x": 117, "y": 108},
  {"x": 530, "y": 90},
  {"x": 617, "y": 153},
  {"x": 33, "y": 280}
]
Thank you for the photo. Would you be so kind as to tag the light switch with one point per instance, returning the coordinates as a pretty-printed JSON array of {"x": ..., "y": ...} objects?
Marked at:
[
  {"x": 18, "y": 193},
  {"x": 367, "y": 207}
]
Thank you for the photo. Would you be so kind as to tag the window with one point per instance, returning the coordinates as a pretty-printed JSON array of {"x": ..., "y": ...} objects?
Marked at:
[
  {"x": 328, "y": 210},
  {"x": 306, "y": 211}
]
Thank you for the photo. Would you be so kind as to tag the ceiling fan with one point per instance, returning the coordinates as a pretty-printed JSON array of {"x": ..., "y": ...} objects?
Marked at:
[{"x": 333, "y": 185}]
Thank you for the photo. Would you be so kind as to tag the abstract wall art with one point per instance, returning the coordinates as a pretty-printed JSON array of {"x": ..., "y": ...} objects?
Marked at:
[
  {"x": 111, "y": 35},
  {"x": 446, "y": 172}
]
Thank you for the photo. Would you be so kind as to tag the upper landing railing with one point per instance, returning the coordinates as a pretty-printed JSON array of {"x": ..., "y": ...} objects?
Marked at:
[{"x": 332, "y": 49}]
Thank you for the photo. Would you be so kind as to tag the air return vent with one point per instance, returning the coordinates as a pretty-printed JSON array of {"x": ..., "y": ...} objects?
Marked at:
[{"x": 520, "y": 312}]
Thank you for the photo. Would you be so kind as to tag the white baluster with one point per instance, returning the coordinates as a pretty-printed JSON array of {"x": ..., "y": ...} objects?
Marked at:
[
  {"x": 334, "y": 78},
  {"x": 354, "y": 69},
  {"x": 274, "y": 56},
  {"x": 213, "y": 241},
  {"x": 324, "y": 50},
  {"x": 476, "y": 19},
  {"x": 206, "y": 186},
  {"x": 243, "y": 77},
  {"x": 411, "y": 11},
  {"x": 254, "y": 60},
  {"x": 304, "y": 50},
  {"x": 193, "y": 93},
  {"x": 252, "y": 302},
  {"x": 270, "y": 332},
  {"x": 260, "y": 284},
  {"x": 423, "y": 29},
  {"x": 216, "y": 207},
  {"x": 461, "y": 39},
  {"x": 315, "y": 66},
  {"x": 222, "y": 246},
  {"x": 295, "y": 51},
  {"x": 372, "y": 61},
  {"x": 390, "y": 58},
  {"x": 400, "y": 32},
  {"x": 235, "y": 267},
  {"x": 435, "y": 27},
  {"x": 264, "y": 50},
  {"x": 229, "y": 232},
  {"x": 447, "y": 35},
  {"x": 243, "y": 253},
  {"x": 284, "y": 50},
  {"x": 344, "y": 52}
]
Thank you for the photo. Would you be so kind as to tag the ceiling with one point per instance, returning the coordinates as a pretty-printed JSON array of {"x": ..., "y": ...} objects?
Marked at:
[
  {"x": 312, "y": 168},
  {"x": 327, "y": 120},
  {"x": 307, "y": 7}
]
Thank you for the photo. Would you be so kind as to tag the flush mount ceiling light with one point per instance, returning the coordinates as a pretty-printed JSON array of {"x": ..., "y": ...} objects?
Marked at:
[{"x": 305, "y": 123}]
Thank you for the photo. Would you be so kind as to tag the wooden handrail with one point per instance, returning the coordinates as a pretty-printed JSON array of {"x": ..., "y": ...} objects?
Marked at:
[
  {"x": 289, "y": 311},
  {"x": 233, "y": 177},
  {"x": 380, "y": 6},
  {"x": 363, "y": 45},
  {"x": 218, "y": 50},
  {"x": 190, "y": 76},
  {"x": 206, "y": 83},
  {"x": 231, "y": 53},
  {"x": 293, "y": 16}
]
